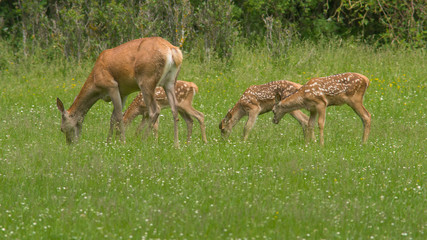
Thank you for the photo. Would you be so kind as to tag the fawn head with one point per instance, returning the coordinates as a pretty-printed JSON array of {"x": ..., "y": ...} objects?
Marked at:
[
  {"x": 69, "y": 126},
  {"x": 225, "y": 125},
  {"x": 277, "y": 110}
]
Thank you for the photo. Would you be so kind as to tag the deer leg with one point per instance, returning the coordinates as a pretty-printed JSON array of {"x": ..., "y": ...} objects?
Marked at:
[
  {"x": 144, "y": 120},
  {"x": 142, "y": 124},
  {"x": 156, "y": 129},
  {"x": 301, "y": 118},
  {"x": 321, "y": 122},
  {"x": 200, "y": 118},
  {"x": 189, "y": 121},
  {"x": 154, "y": 116},
  {"x": 153, "y": 108},
  {"x": 309, "y": 133},
  {"x": 249, "y": 124},
  {"x": 117, "y": 115},
  {"x": 170, "y": 93},
  {"x": 365, "y": 116},
  {"x": 123, "y": 101}
]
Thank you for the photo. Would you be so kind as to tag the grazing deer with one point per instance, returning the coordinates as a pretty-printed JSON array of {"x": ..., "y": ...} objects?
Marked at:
[
  {"x": 319, "y": 93},
  {"x": 138, "y": 65},
  {"x": 256, "y": 100},
  {"x": 184, "y": 92}
]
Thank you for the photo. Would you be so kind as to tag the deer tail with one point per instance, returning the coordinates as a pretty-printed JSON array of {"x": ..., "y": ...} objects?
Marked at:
[
  {"x": 366, "y": 80},
  {"x": 194, "y": 87},
  {"x": 177, "y": 56}
]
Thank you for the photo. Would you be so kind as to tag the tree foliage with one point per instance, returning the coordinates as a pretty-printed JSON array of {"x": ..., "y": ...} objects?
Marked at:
[{"x": 82, "y": 28}]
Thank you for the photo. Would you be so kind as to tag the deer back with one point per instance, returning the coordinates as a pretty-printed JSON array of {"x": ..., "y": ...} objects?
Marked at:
[
  {"x": 264, "y": 95},
  {"x": 336, "y": 89},
  {"x": 184, "y": 91}
]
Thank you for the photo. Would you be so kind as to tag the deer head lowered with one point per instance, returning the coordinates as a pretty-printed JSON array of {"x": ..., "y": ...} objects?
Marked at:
[
  {"x": 319, "y": 93},
  {"x": 138, "y": 65},
  {"x": 184, "y": 92},
  {"x": 256, "y": 100}
]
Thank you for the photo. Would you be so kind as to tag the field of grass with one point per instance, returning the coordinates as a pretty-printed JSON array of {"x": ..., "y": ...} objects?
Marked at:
[{"x": 271, "y": 187}]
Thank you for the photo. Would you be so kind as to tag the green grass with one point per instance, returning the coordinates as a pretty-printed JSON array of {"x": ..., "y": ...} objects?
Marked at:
[{"x": 272, "y": 186}]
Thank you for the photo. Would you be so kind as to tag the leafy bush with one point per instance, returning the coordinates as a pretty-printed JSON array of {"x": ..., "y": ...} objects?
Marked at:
[{"x": 80, "y": 29}]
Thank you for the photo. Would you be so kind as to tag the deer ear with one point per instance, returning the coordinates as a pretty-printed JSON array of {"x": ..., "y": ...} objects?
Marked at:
[
  {"x": 60, "y": 105},
  {"x": 277, "y": 98}
]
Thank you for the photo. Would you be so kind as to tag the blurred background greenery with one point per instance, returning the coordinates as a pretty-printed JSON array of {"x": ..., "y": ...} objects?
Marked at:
[{"x": 207, "y": 29}]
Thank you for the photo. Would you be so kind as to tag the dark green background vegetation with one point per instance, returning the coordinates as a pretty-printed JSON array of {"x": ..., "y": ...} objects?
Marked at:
[{"x": 81, "y": 28}]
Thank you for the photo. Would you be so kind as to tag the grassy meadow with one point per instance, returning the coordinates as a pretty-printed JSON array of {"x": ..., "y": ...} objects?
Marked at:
[{"x": 271, "y": 187}]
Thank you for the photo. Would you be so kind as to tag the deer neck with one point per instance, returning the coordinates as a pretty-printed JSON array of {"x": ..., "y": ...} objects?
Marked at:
[
  {"x": 237, "y": 113},
  {"x": 293, "y": 102},
  {"x": 83, "y": 102}
]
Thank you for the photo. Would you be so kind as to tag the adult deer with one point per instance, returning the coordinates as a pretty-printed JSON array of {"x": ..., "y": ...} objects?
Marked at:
[
  {"x": 140, "y": 64},
  {"x": 256, "y": 100},
  {"x": 319, "y": 93},
  {"x": 184, "y": 92}
]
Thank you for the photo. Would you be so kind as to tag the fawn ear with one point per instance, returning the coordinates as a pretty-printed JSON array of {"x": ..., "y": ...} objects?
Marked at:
[
  {"x": 277, "y": 98},
  {"x": 60, "y": 105}
]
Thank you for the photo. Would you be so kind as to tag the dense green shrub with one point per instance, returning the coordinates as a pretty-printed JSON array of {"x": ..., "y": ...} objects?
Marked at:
[{"x": 78, "y": 28}]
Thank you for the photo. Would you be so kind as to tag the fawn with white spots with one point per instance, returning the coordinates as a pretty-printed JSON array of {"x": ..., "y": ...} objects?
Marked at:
[
  {"x": 319, "y": 93},
  {"x": 184, "y": 92},
  {"x": 138, "y": 65},
  {"x": 256, "y": 100}
]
